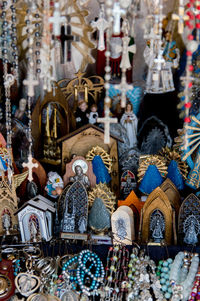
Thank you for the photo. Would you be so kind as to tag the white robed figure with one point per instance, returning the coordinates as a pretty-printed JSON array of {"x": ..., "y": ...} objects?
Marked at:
[{"x": 130, "y": 122}]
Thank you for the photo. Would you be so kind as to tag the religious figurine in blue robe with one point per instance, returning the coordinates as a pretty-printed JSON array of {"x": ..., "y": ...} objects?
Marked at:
[{"x": 100, "y": 170}]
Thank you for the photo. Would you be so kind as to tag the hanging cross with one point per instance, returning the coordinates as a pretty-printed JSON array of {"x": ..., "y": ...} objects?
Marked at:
[
  {"x": 159, "y": 60},
  {"x": 181, "y": 19},
  {"x": 66, "y": 38},
  {"x": 101, "y": 25},
  {"x": 123, "y": 87},
  {"x": 125, "y": 49},
  {"x": 57, "y": 19},
  {"x": 30, "y": 165},
  {"x": 30, "y": 83},
  {"x": 117, "y": 13},
  {"x": 107, "y": 121}
]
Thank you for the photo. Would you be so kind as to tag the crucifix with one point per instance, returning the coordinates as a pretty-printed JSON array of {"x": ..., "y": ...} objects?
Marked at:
[
  {"x": 57, "y": 19},
  {"x": 181, "y": 18},
  {"x": 117, "y": 13},
  {"x": 30, "y": 165},
  {"x": 123, "y": 87},
  {"x": 101, "y": 25},
  {"x": 30, "y": 83},
  {"x": 159, "y": 60},
  {"x": 66, "y": 38},
  {"x": 107, "y": 121},
  {"x": 125, "y": 49}
]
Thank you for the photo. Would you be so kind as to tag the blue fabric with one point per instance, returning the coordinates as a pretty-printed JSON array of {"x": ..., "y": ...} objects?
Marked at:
[
  {"x": 151, "y": 180},
  {"x": 100, "y": 170},
  {"x": 175, "y": 176},
  {"x": 3, "y": 164}
]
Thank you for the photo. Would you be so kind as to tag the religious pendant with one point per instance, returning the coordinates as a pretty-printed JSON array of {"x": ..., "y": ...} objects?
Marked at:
[
  {"x": 69, "y": 295},
  {"x": 27, "y": 284},
  {"x": 6, "y": 287},
  {"x": 43, "y": 297}
]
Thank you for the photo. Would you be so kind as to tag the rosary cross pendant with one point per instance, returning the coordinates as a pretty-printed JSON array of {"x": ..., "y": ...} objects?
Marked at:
[{"x": 30, "y": 165}]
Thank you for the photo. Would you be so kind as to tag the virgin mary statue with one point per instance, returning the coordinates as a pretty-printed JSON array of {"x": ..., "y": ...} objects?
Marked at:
[{"x": 129, "y": 121}]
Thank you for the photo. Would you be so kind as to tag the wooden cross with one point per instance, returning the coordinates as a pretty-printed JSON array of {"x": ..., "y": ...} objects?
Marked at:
[
  {"x": 107, "y": 121},
  {"x": 66, "y": 38},
  {"x": 30, "y": 165},
  {"x": 117, "y": 12},
  {"x": 159, "y": 60},
  {"x": 101, "y": 25},
  {"x": 30, "y": 82},
  {"x": 57, "y": 19},
  {"x": 125, "y": 49},
  {"x": 181, "y": 19},
  {"x": 123, "y": 87}
]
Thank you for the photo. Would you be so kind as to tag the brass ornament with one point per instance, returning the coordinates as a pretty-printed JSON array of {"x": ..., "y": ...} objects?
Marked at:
[
  {"x": 103, "y": 192},
  {"x": 42, "y": 297},
  {"x": 5, "y": 286},
  {"x": 175, "y": 155},
  {"x": 93, "y": 85},
  {"x": 147, "y": 160},
  {"x": 99, "y": 151}
]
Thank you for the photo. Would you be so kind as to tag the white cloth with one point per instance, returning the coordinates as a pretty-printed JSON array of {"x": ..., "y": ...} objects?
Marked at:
[{"x": 129, "y": 121}]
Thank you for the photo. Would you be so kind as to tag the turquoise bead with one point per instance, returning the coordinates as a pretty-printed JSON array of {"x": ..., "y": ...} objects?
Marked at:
[
  {"x": 167, "y": 295},
  {"x": 169, "y": 260},
  {"x": 166, "y": 276},
  {"x": 165, "y": 263},
  {"x": 167, "y": 283},
  {"x": 162, "y": 275},
  {"x": 164, "y": 288},
  {"x": 162, "y": 280}
]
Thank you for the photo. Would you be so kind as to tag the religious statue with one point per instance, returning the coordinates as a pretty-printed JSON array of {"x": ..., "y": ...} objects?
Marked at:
[
  {"x": 33, "y": 231},
  {"x": 129, "y": 121},
  {"x": 54, "y": 185},
  {"x": 6, "y": 220},
  {"x": 20, "y": 112},
  {"x": 191, "y": 230},
  {"x": 157, "y": 226},
  {"x": 93, "y": 114},
  {"x": 81, "y": 114},
  {"x": 80, "y": 176}
]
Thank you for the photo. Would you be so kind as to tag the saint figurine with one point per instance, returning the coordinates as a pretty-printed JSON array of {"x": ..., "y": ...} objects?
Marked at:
[
  {"x": 157, "y": 226},
  {"x": 6, "y": 222},
  {"x": 93, "y": 114},
  {"x": 80, "y": 176},
  {"x": 33, "y": 231},
  {"x": 82, "y": 114},
  {"x": 191, "y": 230},
  {"x": 129, "y": 121}
]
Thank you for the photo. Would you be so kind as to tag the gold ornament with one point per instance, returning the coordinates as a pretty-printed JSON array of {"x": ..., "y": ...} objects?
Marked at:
[
  {"x": 99, "y": 151},
  {"x": 147, "y": 160},
  {"x": 173, "y": 154},
  {"x": 103, "y": 192}
]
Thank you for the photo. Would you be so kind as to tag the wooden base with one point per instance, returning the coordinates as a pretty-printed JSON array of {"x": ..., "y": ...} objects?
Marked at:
[{"x": 94, "y": 239}]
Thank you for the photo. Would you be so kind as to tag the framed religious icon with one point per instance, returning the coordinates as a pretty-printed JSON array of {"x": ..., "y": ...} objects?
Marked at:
[
  {"x": 189, "y": 221},
  {"x": 128, "y": 183},
  {"x": 74, "y": 204}
]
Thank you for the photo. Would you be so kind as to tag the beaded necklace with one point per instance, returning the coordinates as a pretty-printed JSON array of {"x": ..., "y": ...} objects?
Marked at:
[
  {"x": 195, "y": 294},
  {"x": 163, "y": 271},
  {"x": 181, "y": 276},
  {"x": 87, "y": 272},
  {"x": 116, "y": 272}
]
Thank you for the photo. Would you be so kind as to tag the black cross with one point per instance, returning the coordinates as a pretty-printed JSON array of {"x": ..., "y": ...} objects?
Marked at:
[{"x": 66, "y": 38}]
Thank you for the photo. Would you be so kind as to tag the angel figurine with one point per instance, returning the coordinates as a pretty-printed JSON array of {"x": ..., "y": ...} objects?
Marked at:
[{"x": 129, "y": 121}]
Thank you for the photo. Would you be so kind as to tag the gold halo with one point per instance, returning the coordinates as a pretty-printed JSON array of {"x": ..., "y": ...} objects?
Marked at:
[
  {"x": 99, "y": 151},
  {"x": 103, "y": 192},
  {"x": 147, "y": 160}
]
